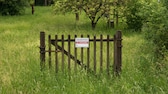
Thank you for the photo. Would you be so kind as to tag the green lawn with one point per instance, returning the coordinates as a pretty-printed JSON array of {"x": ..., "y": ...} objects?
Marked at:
[{"x": 19, "y": 59}]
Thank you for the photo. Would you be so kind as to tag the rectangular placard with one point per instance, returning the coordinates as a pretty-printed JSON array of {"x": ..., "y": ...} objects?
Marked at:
[{"x": 81, "y": 42}]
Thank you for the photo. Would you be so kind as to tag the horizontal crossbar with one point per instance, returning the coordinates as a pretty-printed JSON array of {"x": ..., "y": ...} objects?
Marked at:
[
  {"x": 73, "y": 40},
  {"x": 50, "y": 51}
]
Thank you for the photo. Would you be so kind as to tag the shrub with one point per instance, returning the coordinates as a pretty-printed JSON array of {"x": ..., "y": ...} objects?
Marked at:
[
  {"x": 12, "y": 7},
  {"x": 39, "y": 2},
  {"x": 42, "y": 2},
  {"x": 133, "y": 19},
  {"x": 156, "y": 28}
]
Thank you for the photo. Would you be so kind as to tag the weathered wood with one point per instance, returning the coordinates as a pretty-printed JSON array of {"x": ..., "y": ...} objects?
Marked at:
[
  {"x": 117, "y": 52},
  {"x": 94, "y": 43},
  {"x": 101, "y": 53},
  {"x": 69, "y": 52},
  {"x": 82, "y": 52},
  {"x": 56, "y": 54},
  {"x": 119, "y": 36},
  {"x": 108, "y": 62},
  {"x": 88, "y": 54},
  {"x": 49, "y": 53},
  {"x": 42, "y": 50},
  {"x": 62, "y": 52},
  {"x": 115, "y": 55},
  {"x": 91, "y": 40},
  {"x": 71, "y": 56},
  {"x": 75, "y": 58}
]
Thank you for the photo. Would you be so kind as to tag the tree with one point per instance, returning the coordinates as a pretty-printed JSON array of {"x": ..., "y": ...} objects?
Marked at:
[
  {"x": 94, "y": 9},
  {"x": 12, "y": 7},
  {"x": 64, "y": 6},
  {"x": 32, "y": 5},
  {"x": 118, "y": 9}
]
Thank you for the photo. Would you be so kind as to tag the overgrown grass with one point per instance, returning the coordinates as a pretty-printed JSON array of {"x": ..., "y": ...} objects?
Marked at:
[{"x": 20, "y": 69}]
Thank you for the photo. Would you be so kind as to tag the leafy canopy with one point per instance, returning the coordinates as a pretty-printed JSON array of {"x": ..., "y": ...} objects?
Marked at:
[
  {"x": 94, "y": 9},
  {"x": 12, "y": 7}
]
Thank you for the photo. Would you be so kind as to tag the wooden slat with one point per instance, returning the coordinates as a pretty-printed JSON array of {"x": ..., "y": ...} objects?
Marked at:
[
  {"x": 69, "y": 52},
  {"x": 94, "y": 42},
  {"x": 75, "y": 56},
  {"x": 88, "y": 54},
  {"x": 108, "y": 54},
  {"x": 62, "y": 52},
  {"x": 49, "y": 49},
  {"x": 101, "y": 53},
  {"x": 56, "y": 55},
  {"x": 42, "y": 50},
  {"x": 82, "y": 52},
  {"x": 117, "y": 65},
  {"x": 71, "y": 56},
  {"x": 115, "y": 54}
]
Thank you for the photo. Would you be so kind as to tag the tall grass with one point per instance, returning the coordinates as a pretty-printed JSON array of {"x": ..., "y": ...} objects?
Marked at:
[{"x": 20, "y": 69}]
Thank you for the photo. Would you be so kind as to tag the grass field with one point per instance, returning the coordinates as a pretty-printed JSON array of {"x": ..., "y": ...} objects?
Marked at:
[{"x": 19, "y": 59}]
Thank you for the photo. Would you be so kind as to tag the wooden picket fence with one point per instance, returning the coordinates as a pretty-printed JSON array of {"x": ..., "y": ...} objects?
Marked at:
[{"x": 98, "y": 56}]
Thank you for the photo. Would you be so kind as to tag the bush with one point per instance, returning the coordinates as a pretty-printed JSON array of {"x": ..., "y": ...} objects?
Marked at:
[
  {"x": 42, "y": 2},
  {"x": 12, "y": 7},
  {"x": 156, "y": 28},
  {"x": 165, "y": 2},
  {"x": 39, "y": 2},
  {"x": 133, "y": 19}
]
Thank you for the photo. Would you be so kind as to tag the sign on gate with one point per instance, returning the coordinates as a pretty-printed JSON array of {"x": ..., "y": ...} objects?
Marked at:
[{"x": 81, "y": 42}]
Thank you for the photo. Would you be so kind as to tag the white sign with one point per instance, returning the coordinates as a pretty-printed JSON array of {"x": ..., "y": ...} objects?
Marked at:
[{"x": 82, "y": 42}]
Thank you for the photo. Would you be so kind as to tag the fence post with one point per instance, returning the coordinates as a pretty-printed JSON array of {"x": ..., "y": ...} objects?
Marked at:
[
  {"x": 42, "y": 50},
  {"x": 117, "y": 53}
]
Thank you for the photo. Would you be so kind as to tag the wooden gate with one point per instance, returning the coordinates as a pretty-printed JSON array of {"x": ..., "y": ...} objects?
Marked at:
[{"x": 102, "y": 53}]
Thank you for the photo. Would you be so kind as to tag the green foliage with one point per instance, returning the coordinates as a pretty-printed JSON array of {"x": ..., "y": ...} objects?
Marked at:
[
  {"x": 42, "y": 2},
  {"x": 64, "y": 6},
  {"x": 31, "y": 2},
  {"x": 39, "y": 2},
  {"x": 165, "y": 3},
  {"x": 156, "y": 27},
  {"x": 12, "y": 7},
  {"x": 20, "y": 69},
  {"x": 133, "y": 19},
  {"x": 94, "y": 9}
]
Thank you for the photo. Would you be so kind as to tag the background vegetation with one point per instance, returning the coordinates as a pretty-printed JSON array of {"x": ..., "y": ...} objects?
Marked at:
[
  {"x": 12, "y": 7},
  {"x": 142, "y": 71}
]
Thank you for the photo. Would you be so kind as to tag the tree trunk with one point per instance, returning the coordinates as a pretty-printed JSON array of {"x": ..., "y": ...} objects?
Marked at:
[
  {"x": 45, "y": 2},
  {"x": 32, "y": 5},
  {"x": 93, "y": 25},
  {"x": 117, "y": 17},
  {"x": 49, "y": 2},
  {"x": 77, "y": 16}
]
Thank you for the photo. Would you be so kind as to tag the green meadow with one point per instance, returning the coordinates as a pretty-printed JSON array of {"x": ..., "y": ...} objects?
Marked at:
[{"x": 20, "y": 64}]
